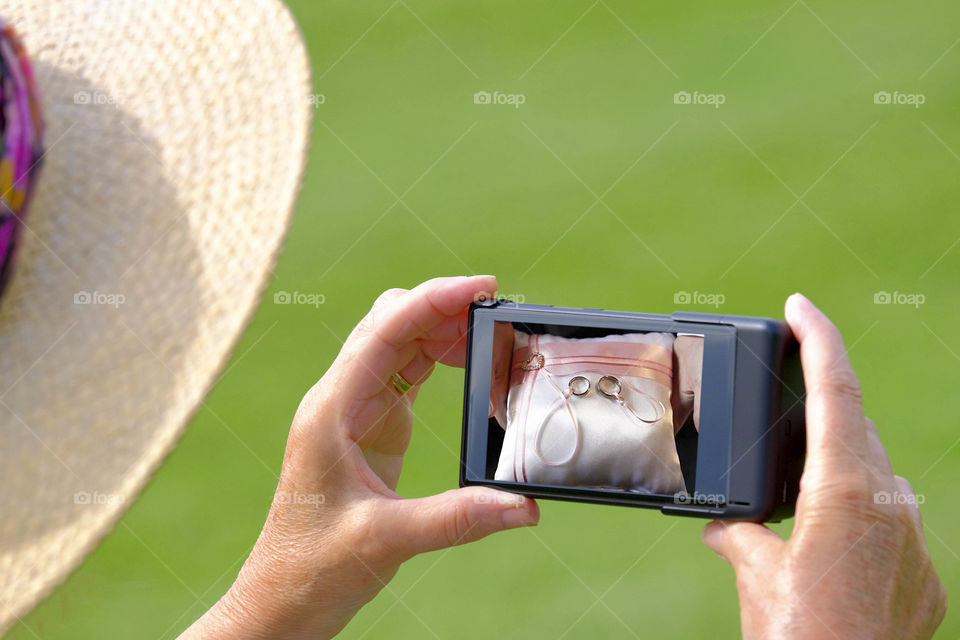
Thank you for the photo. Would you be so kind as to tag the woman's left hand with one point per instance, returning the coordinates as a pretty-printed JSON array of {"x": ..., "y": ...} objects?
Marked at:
[{"x": 337, "y": 530}]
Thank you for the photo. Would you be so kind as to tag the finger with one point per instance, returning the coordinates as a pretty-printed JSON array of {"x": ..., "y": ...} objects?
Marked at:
[
  {"x": 454, "y": 517},
  {"x": 448, "y": 343},
  {"x": 909, "y": 496},
  {"x": 836, "y": 432},
  {"x": 380, "y": 345},
  {"x": 881, "y": 461},
  {"x": 417, "y": 313},
  {"x": 688, "y": 368},
  {"x": 742, "y": 544},
  {"x": 696, "y": 410},
  {"x": 451, "y": 353},
  {"x": 682, "y": 405},
  {"x": 451, "y": 329},
  {"x": 448, "y": 351},
  {"x": 418, "y": 369},
  {"x": 503, "y": 338},
  {"x": 387, "y": 297}
]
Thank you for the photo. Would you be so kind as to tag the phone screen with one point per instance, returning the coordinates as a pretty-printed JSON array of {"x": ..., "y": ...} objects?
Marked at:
[{"x": 594, "y": 408}]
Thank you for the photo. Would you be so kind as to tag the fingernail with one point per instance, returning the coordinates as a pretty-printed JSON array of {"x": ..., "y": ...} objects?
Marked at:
[
  {"x": 712, "y": 535},
  {"x": 795, "y": 305},
  {"x": 520, "y": 517}
]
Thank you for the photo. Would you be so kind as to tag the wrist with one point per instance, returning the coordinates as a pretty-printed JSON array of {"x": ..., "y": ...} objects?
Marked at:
[
  {"x": 285, "y": 596},
  {"x": 255, "y": 607},
  {"x": 232, "y": 616}
]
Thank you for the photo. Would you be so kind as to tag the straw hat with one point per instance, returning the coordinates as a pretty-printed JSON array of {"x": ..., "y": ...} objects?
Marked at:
[{"x": 176, "y": 133}]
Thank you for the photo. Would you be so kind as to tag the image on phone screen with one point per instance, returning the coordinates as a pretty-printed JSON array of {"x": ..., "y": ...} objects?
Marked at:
[{"x": 588, "y": 407}]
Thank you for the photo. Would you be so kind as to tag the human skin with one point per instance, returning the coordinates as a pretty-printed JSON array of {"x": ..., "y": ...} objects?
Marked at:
[
  {"x": 315, "y": 564},
  {"x": 688, "y": 368},
  {"x": 500, "y": 374},
  {"x": 856, "y": 565},
  {"x": 852, "y": 567}
]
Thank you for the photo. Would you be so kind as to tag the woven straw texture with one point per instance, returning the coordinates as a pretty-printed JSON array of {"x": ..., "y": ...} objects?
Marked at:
[{"x": 177, "y": 133}]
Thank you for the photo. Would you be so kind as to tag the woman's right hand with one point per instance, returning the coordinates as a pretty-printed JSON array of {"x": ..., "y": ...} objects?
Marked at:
[{"x": 856, "y": 565}]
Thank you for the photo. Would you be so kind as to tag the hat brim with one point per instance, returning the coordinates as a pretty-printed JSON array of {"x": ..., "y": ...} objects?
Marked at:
[{"x": 176, "y": 140}]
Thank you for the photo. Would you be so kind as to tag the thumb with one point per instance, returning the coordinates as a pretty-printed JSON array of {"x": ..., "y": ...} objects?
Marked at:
[
  {"x": 456, "y": 517},
  {"x": 742, "y": 543}
]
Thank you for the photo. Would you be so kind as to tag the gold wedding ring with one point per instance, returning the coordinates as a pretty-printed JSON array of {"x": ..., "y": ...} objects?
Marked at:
[{"x": 400, "y": 383}]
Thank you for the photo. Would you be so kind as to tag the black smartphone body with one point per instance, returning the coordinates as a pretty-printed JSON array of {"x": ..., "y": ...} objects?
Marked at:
[{"x": 693, "y": 414}]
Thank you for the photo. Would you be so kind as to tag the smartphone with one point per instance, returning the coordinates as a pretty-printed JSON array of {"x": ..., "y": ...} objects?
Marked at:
[{"x": 693, "y": 414}]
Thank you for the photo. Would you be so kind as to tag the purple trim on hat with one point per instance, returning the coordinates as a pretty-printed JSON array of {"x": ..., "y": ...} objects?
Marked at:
[{"x": 21, "y": 129}]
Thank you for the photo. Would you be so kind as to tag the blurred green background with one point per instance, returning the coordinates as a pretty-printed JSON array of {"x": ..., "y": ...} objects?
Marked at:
[{"x": 597, "y": 191}]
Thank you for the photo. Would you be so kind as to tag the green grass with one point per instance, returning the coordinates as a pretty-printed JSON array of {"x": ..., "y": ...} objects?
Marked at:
[{"x": 698, "y": 212}]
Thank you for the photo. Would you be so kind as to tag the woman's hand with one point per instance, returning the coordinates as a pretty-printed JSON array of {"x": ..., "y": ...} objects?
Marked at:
[
  {"x": 337, "y": 531},
  {"x": 687, "y": 373},
  {"x": 856, "y": 565}
]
